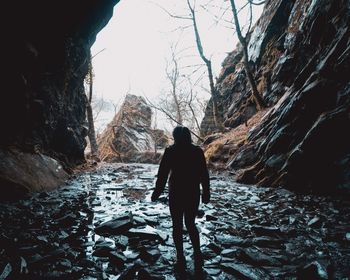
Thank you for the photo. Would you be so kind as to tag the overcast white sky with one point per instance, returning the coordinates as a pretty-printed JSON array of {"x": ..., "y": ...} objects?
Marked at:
[{"x": 137, "y": 41}]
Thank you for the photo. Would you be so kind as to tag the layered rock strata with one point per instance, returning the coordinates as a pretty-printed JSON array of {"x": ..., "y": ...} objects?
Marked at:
[
  {"x": 130, "y": 136},
  {"x": 300, "y": 54}
]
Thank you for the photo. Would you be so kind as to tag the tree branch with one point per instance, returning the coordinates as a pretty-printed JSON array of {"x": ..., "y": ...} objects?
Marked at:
[
  {"x": 170, "y": 117},
  {"x": 170, "y": 14},
  {"x": 257, "y": 3}
]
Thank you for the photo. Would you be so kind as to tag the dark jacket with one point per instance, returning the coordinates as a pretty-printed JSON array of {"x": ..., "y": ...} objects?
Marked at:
[{"x": 187, "y": 167}]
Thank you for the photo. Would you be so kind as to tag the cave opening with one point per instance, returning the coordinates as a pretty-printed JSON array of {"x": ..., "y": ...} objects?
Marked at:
[
  {"x": 157, "y": 61},
  {"x": 275, "y": 203}
]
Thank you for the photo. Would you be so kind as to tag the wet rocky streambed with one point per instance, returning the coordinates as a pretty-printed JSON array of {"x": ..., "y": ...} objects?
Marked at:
[{"x": 102, "y": 225}]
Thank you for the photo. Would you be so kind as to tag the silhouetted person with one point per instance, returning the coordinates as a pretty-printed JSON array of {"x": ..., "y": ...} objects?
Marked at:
[{"x": 187, "y": 167}]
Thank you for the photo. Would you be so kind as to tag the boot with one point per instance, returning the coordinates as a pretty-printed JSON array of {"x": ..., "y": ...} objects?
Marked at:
[
  {"x": 180, "y": 265},
  {"x": 198, "y": 263}
]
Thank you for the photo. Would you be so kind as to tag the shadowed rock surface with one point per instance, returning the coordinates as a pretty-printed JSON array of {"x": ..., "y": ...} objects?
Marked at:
[
  {"x": 42, "y": 108},
  {"x": 21, "y": 173},
  {"x": 102, "y": 225},
  {"x": 299, "y": 51},
  {"x": 130, "y": 136}
]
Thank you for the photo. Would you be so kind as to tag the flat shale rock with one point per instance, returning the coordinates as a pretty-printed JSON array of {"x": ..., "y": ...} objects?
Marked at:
[
  {"x": 265, "y": 230},
  {"x": 77, "y": 233},
  {"x": 117, "y": 259},
  {"x": 146, "y": 233},
  {"x": 257, "y": 258},
  {"x": 227, "y": 241},
  {"x": 150, "y": 255},
  {"x": 265, "y": 242},
  {"x": 118, "y": 225},
  {"x": 314, "y": 270},
  {"x": 246, "y": 271}
]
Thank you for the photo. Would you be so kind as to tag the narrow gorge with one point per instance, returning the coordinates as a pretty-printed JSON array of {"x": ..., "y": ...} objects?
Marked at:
[{"x": 280, "y": 176}]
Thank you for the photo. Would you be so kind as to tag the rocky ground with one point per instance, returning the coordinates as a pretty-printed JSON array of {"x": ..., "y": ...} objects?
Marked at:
[{"x": 102, "y": 225}]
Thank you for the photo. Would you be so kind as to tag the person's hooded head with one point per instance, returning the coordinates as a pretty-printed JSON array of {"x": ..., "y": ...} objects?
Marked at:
[{"x": 182, "y": 135}]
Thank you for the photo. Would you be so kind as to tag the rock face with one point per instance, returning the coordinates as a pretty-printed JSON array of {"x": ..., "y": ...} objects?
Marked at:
[
  {"x": 129, "y": 137},
  {"x": 42, "y": 107},
  {"x": 301, "y": 59}
]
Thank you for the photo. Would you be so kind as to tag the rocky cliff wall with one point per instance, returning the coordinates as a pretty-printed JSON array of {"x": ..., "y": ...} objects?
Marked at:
[
  {"x": 45, "y": 59},
  {"x": 300, "y": 53}
]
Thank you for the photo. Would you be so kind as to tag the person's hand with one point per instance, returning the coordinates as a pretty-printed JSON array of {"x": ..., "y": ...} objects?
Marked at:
[
  {"x": 206, "y": 197},
  {"x": 155, "y": 196}
]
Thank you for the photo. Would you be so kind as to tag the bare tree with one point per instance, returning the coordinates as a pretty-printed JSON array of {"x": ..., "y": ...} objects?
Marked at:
[
  {"x": 116, "y": 105},
  {"x": 214, "y": 94},
  {"x": 217, "y": 116},
  {"x": 193, "y": 106},
  {"x": 158, "y": 136},
  {"x": 98, "y": 105},
  {"x": 89, "y": 113},
  {"x": 179, "y": 101},
  {"x": 170, "y": 116},
  {"x": 173, "y": 75},
  {"x": 259, "y": 101}
]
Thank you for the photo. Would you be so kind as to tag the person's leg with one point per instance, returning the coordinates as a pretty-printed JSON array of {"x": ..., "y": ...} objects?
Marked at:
[
  {"x": 176, "y": 212},
  {"x": 190, "y": 216},
  {"x": 192, "y": 230}
]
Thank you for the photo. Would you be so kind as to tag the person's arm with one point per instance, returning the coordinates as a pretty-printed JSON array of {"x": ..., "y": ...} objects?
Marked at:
[
  {"x": 204, "y": 178},
  {"x": 162, "y": 177}
]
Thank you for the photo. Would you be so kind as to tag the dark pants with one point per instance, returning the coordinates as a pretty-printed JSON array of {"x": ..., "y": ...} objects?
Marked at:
[{"x": 184, "y": 205}]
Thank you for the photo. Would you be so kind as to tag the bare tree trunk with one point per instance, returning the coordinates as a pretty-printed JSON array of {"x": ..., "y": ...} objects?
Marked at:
[
  {"x": 178, "y": 109},
  {"x": 91, "y": 133},
  {"x": 216, "y": 114},
  {"x": 259, "y": 101},
  {"x": 192, "y": 110},
  {"x": 173, "y": 76},
  {"x": 90, "y": 118},
  {"x": 154, "y": 133},
  {"x": 176, "y": 100}
]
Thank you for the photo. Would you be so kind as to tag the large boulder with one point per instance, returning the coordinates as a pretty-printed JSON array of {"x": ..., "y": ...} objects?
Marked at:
[
  {"x": 22, "y": 172},
  {"x": 130, "y": 137}
]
